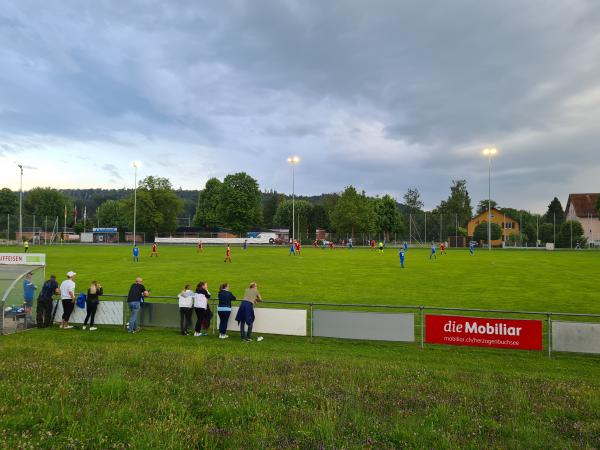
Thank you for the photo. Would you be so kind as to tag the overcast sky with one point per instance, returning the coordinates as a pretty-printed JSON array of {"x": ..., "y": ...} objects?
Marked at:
[{"x": 382, "y": 95}]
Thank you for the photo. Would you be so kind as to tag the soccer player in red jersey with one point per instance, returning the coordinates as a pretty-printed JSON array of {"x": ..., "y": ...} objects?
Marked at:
[
  {"x": 199, "y": 246},
  {"x": 228, "y": 254},
  {"x": 154, "y": 251}
]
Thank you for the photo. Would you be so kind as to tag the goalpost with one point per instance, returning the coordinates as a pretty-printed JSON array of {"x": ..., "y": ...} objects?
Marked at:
[{"x": 14, "y": 267}]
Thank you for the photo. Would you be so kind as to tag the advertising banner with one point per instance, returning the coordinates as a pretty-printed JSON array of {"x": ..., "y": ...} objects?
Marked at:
[
  {"x": 576, "y": 337},
  {"x": 484, "y": 332},
  {"x": 291, "y": 322},
  {"x": 23, "y": 259},
  {"x": 364, "y": 325}
]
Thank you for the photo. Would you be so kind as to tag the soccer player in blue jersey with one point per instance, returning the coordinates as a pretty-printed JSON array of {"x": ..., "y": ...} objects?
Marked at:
[
  {"x": 432, "y": 255},
  {"x": 292, "y": 248},
  {"x": 472, "y": 248},
  {"x": 401, "y": 254},
  {"x": 136, "y": 253},
  {"x": 405, "y": 246}
]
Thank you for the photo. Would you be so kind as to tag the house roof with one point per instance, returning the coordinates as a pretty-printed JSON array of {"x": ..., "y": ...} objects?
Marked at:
[{"x": 584, "y": 204}]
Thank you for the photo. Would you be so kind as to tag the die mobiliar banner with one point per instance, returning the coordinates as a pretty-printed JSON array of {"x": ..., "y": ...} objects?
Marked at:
[{"x": 484, "y": 332}]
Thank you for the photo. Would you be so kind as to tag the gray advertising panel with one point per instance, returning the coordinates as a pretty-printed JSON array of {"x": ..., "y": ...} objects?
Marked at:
[
  {"x": 364, "y": 325},
  {"x": 576, "y": 337},
  {"x": 160, "y": 315}
]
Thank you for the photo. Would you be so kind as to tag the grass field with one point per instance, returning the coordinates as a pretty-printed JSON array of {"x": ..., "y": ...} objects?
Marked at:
[
  {"x": 156, "y": 389},
  {"x": 72, "y": 389},
  {"x": 527, "y": 280}
]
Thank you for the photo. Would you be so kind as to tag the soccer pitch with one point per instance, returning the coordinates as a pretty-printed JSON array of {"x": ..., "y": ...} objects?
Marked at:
[
  {"x": 157, "y": 389},
  {"x": 532, "y": 280}
]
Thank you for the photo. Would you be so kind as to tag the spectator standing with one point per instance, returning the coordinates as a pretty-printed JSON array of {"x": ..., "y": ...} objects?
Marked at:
[
  {"x": 92, "y": 301},
  {"x": 224, "y": 309},
  {"x": 67, "y": 297},
  {"x": 245, "y": 314},
  {"x": 186, "y": 303},
  {"x": 202, "y": 309},
  {"x": 137, "y": 292},
  {"x": 28, "y": 292},
  {"x": 44, "y": 308}
]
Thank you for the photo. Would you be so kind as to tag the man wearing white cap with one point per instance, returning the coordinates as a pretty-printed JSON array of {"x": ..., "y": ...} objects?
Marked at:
[{"x": 67, "y": 296}]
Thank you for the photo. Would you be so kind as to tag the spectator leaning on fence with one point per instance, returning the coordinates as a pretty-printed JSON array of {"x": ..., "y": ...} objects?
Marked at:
[
  {"x": 203, "y": 312},
  {"x": 44, "y": 308},
  {"x": 67, "y": 297},
  {"x": 137, "y": 292},
  {"x": 245, "y": 314},
  {"x": 91, "y": 302},
  {"x": 186, "y": 303},
  {"x": 224, "y": 309}
]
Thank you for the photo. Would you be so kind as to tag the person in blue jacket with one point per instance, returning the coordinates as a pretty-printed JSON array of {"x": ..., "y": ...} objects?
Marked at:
[
  {"x": 224, "y": 309},
  {"x": 28, "y": 292}
]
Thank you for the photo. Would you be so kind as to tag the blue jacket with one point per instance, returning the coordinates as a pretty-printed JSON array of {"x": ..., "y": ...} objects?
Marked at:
[
  {"x": 28, "y": 290},
  {"x": 225, "y": 298}
]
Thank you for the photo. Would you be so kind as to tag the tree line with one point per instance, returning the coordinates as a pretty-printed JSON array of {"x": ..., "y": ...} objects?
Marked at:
[{"x": 236, "y": 203}]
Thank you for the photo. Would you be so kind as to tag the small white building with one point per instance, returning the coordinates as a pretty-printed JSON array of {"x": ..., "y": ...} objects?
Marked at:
[{"x": 582, "y": 208}]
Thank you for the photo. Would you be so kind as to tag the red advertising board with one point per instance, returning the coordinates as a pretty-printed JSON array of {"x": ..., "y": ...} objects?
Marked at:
[{"x": 484, "y": 332}]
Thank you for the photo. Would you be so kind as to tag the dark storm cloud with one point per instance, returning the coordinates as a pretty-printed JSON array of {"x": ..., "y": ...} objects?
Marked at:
[
  {"x": 112, "y": 171},
  {"x": 383, "y": 94}
]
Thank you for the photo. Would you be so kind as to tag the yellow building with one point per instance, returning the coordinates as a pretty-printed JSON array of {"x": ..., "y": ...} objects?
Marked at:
[{"x": 507, "y": 224}]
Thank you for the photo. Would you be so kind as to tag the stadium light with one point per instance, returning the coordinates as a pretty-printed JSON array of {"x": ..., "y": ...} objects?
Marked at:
[
  {"x": 135, "y": 165},
  {"x": 20, "y": 206},
  {"x": 489, "y": 152},
  {"x": 293, "y": 160}
]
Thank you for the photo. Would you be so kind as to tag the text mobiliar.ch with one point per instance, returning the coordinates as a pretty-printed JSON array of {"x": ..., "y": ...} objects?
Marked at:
[{"x": 498, "y": 329}]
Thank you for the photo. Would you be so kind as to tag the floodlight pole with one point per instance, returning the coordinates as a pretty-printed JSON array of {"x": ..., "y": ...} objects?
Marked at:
[
  {"x": 293, "y": 201},
  {"x": 135, "y": 166},
  {"x": 21, "y": 205},
  {"x": 293, "y": 160},
  {"x": 489, "y": 152},
  {"x": 490, "y": 201}
]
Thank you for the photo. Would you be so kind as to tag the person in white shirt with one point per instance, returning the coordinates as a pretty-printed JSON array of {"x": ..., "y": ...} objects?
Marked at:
[
  {"x": 67, "y": 296},
  {"x": 186, "y": 303}
]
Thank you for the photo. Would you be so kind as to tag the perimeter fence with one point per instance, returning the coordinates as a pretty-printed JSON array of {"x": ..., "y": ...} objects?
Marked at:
[{"x": 423, "y": 325}]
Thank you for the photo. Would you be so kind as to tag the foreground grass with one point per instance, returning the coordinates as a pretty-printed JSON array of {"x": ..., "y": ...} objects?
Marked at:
[
  {"x": 72, "y": 389},
  {"x": 563, "y": 281}
]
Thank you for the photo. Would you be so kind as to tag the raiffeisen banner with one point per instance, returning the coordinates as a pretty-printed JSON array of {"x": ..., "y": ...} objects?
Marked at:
[
  {"x": 484, "y": 332},
  {"x": 23, "y": 259}
]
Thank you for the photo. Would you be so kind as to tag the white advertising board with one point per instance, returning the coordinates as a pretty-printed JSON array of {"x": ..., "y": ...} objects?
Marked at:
[
  {"x": 108, "y": 313},
  {"x": 576, "y": 337},
  {"x": 291, "y": 322}
]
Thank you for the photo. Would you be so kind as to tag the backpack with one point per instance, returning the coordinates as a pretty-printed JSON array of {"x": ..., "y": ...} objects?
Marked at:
[{"x": 81, "y": 298}]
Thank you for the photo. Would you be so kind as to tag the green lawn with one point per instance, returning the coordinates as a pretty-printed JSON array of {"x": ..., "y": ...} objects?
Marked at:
[
  {"x": 565, "y": 281},
  {"x": 156, "y": 389}
]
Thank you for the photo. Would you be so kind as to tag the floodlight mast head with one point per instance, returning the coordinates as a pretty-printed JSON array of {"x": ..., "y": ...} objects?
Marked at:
[
  {"x": 293, "y": 159},
  {"x": 489, "y": 151},
  {"x": 136, "y": 164}
]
